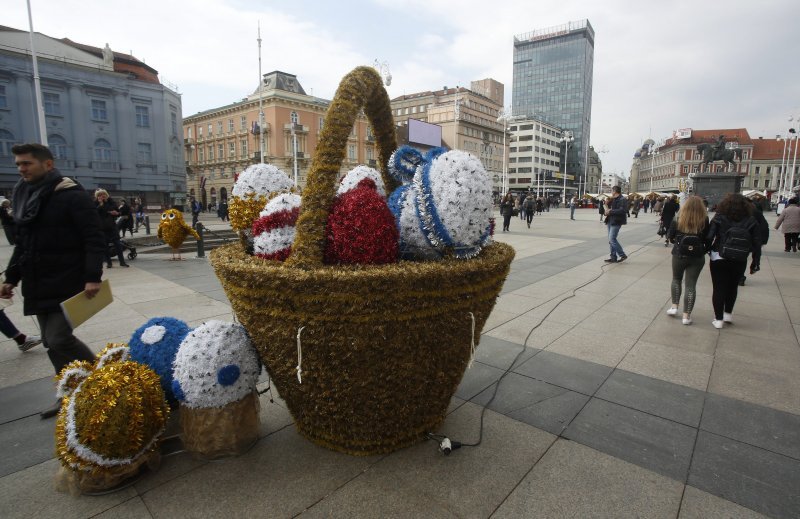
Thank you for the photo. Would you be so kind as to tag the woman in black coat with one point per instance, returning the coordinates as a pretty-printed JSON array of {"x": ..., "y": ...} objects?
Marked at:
[
  {"x": 108, "y": 213},
  {"x": 506, "y": 210},
  {"x": 9, "y": 227},
  {"x": 733, "y": 210}
]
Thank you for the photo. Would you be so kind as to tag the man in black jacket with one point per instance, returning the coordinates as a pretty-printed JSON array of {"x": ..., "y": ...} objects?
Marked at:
[
  {"x": 616, "y": 217},
  {"x": 58, "y": 253}
]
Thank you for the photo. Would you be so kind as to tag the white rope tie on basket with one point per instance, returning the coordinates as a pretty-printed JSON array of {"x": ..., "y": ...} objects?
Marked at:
[
  {"x": 472, "y": 344},
  {"x": 299, "y": 367}
]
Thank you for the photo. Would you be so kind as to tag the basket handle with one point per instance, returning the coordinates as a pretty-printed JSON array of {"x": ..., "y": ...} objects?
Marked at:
[{"x": 361, "y": 89}]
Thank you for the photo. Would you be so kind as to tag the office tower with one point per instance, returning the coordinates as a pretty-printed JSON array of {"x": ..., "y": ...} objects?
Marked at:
[{"x": 553, "y": 82}]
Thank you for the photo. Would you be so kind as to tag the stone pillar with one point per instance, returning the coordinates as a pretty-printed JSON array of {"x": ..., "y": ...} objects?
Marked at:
[
  {"x": 79, "y": 118},
  {"x": 27, "y": 109},
  {"x": 124, "y": 126}
]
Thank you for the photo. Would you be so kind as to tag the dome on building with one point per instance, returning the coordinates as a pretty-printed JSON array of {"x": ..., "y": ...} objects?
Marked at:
[
  {"x": 648, "y": 142},
  {"x": 637, "y": 154}
]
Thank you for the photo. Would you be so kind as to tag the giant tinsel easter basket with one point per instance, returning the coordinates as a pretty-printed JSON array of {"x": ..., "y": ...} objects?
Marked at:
[{"x": 384, "y": 347}]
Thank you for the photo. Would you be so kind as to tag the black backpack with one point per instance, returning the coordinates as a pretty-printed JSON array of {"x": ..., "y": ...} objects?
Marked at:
[
  {"x": 735, "y": 241},
  {"x": 690, "y": 245}
]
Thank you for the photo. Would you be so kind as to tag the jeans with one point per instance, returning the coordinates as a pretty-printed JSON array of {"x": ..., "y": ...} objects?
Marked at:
[
  {"x": 529, "y": 217},
  {"x": 691, "y": 266},
  {"x": 725, "y": 276},
  {"x": 7, "y": 327},
  {"x": 572, "y": 212},
  {"x": 62, "y": 346},
  {"x": 506, "y": 221},
  {"x": 616, "y": 248},
  {"x": 790, "y": 241}
]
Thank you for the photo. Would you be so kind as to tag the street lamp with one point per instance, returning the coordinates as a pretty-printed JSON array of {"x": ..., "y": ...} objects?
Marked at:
[
  {"x": 653, "y": 155},
  {"x": 504, "y": 117},
  {"x": 383, "y": 69},
  {"x": 566, "y": 138}
]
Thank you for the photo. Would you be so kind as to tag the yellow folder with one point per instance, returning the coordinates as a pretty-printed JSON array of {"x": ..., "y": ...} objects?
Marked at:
[{"x": 79, "y": 308}]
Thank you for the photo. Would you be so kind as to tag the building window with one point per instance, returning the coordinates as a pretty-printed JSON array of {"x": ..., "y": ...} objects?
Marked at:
[
  {"x": 422, "y": 108},
  {"x": 243, "y": 123},
  {"x": 211, "y": 152},
  {"x": 52, "y": 103},
  {"x": 321, "y": 123},
  {"x": 201, "y": 155},
  {"x": 142, "y": 117},
  {"x": 370, "y": 153},
  {"x": 219, "y": 127},
  {"x": 58, "y": 146},
  {"x": 189, "y": 132},
  {"x": 102, "y": 150},
  {"x": 3, "y": 99},
  {"x": 230, "y": 125},
  {"x": 99, "y": 111},
  {"x": 174, "y": 122},
  {"x": 758, "y": 170},
  {"x": 199, "y": 131},
  {"x": 293, "y": 117},
  {"x": 6, "y": 143},
  {"x": 755, "y": 183},
  {"x": 175, "y": 155},
  {"x": 351, "y": 152},
  {"x": 210, "y": 129},
  {"x": 144, "y": 154},
  {"x": 231, "y": 148},
  {"x": 243, "y": 147},
  {"x": 220, "y": 151}
]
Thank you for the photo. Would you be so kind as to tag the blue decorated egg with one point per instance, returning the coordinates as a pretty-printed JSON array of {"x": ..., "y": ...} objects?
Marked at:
[{"x": 155, "y": 344}]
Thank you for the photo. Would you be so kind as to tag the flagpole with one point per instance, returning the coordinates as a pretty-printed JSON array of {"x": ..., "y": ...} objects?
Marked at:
[
  {"x": 261, "y": 146},
  {"x": 36, "y": 84}
]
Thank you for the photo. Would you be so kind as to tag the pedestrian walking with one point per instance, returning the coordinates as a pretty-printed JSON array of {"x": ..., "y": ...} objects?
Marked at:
[
  {"x": 637, "y": 204},
  {"x": 222, "y": 210},
  {"x": 733, "y": 234},
  {"x": 789, "y": 223},
  {"x": 601, "y": 208},
  {"x": 123, "y": 220},
  {"x": 24, "y": 342},
  {"x": 506, "y": 210},
  {"x": 573, "y": 203},
  {"x": 195, "y": 208},
  {"x": 530, "y": 208},
  {"x": 616, "y": 217},
  {"x": 657, "y": 206},
  {"x": 668, "y": 211},
  {"x": 58, "y": 254},
  {"x": 108, "y": 212},
  {"x": 7, "y": 219},
  {"x": 689, "y": 236}
]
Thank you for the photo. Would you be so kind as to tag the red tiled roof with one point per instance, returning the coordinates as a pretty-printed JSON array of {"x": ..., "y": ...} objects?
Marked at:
[
  {"x": 122, "y": 62},
  {"x": 767, "y": 149},
  {"x": 739, "y": 135}
]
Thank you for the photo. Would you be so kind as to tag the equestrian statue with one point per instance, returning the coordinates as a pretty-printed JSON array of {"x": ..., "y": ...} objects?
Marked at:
[{"x": 712, "y": 153}]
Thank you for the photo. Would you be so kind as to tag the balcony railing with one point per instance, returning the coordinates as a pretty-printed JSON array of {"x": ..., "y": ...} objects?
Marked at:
[{"x": 103, "y": 165}]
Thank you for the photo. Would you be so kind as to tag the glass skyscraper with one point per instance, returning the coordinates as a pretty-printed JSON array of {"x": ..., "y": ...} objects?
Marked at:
[{"x": 553, "y": 81}]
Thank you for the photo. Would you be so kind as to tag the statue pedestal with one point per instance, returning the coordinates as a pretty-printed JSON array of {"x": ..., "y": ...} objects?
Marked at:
[{"x": 714, "y": 186}]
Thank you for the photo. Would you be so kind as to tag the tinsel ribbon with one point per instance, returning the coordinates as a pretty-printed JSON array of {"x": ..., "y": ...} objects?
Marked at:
[
  {"x": 472, "y": 344},
  {"x": 299, "y": 367}
]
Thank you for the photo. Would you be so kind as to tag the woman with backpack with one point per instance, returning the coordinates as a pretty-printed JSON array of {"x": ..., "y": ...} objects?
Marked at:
[
  {"x": 688, "y": 234},
  {"x": 734, "y": 235}
]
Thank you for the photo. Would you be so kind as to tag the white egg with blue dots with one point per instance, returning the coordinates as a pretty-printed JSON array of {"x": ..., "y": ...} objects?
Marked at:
[{"x": 216, "y": 364}]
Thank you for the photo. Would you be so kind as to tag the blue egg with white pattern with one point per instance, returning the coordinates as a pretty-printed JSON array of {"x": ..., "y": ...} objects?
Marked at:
[
  {"x": 155, "y": 344},
  {"x": 216, "y": 365}
]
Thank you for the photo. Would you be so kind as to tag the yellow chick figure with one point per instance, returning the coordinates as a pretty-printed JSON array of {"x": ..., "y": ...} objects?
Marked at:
[{"x": 173, "y": 230}]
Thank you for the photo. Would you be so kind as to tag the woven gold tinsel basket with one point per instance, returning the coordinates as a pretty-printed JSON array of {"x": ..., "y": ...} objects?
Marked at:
[{"x": 383, "y": 347}]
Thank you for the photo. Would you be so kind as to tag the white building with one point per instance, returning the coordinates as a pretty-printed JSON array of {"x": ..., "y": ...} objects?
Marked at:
[{"x": 535, "y": 158}]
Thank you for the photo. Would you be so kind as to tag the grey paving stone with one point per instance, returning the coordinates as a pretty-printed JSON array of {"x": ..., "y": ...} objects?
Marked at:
[
  {"x": 572, "y": 480},
  {"x": 280, "y": 477},
  {"x": 26, "y": 399},
  {"x": 697, "y": 504},
  {"x": 752, "y": 477},
  {"x": 516, "y": 392},
  {"x": 476, "y": 379},
  {"x": 511, "y": 285},
  {"x": 30, "y": 493},
  {"x": 553, "y": 414},
  {"x": 671, "y": 401},
  {"x": 472, "y": 481},
  {"x": 575, "y": 374},
  {"x": 131, "y": 509},
  {"x": 500, "y": 353},
  {"x": 26, "y": 442},
  {"x": 651, "y": 442},
  {"x": 757, "y": 425}
]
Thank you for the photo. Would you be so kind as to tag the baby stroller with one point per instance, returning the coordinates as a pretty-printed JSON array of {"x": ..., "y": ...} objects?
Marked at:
[{"x": 126, "y": 246}]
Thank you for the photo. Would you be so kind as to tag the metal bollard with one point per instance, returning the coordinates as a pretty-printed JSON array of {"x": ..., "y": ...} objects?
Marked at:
[
  {"x": 147, "y": 224},
  {"x": 201, "y": 251}
]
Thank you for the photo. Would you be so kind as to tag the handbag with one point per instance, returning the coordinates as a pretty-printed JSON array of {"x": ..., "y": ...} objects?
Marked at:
[{"x": 515, "y": 212}]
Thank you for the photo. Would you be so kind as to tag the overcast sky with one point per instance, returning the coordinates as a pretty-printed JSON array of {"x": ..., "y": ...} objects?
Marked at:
[{"x": 658, "y": 66}]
